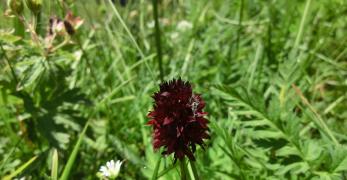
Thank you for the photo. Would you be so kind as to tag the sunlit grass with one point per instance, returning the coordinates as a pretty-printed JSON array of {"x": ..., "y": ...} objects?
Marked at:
[{"x": 272, "y": 73}]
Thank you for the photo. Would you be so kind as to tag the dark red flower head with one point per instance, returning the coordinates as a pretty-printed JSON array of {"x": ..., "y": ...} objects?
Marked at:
[{"x": 178, "y": 119}]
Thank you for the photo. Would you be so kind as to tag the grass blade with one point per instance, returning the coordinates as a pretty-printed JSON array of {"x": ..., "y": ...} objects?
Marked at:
[
  {"x": 20, "y": 169},
  {"x": 302, "y": 24},
  {"x": 73, "y": 155},
  {"x": 55, "y": 163}
]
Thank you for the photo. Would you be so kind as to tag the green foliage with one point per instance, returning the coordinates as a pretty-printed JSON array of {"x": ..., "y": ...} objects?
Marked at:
[
  {"x": 69, "y": 165},
  {"x": 55, "y": 164},
  {"x": 276, "y": 140},
  {"x": 272, "y": 73},
  {"x": 20, "y": 169}
]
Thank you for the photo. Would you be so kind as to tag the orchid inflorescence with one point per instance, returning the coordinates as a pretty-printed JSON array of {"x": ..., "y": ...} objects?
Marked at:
[{"x": 178, "y": 119}]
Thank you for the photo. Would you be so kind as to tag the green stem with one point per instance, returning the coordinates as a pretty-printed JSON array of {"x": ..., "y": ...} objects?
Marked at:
[
  {"x": 302, "y": 24},
  {"x": 69, "y": 165},
  {"x": 195, "y": 171},
  {"x": 184, "y": 171},
  {"x": 156, "y": 169},
  {"x": 157, "y": 38},
  {"x": 239, "y": 28}
]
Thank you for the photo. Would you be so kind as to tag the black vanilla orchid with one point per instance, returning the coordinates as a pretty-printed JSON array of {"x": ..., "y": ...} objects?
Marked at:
[{"x": 178, "y": 119}]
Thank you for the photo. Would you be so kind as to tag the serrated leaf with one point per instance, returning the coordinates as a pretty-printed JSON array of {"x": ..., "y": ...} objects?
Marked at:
[
  {"x": 287, "y": 151},
  {"x": 266, "y": 134},
  {"x": 311, "y": 150},
  {"x": 9, "y": 38},
  {"x": 294, "y": 168}
]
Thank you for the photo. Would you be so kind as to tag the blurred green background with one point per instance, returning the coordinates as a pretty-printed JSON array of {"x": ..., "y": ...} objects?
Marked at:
[{"x": 273, "y": 74}]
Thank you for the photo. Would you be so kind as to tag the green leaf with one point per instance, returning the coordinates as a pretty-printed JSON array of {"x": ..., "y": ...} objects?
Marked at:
[
  {"x": 156, "y": 169},
  {"x": 266, "y": 134},
  {"x": 72, "y": 157},
  {"x": 295, "y": 168},
  {"x": 287, "y": 151},
  {"x": 9, "y": 38},
  {"x": 339, "y": 157},
  {"x": 55, "y": 164},
  {"x": 20, "y": 169}
]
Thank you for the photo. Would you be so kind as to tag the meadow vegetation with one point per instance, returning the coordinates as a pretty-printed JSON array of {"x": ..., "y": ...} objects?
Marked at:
[{"x": 76, "y": 80}]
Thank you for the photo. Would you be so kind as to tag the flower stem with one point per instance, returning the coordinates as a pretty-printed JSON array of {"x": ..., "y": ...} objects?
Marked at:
[
  {"x": 156, "y": 169},
  {"x": 239, "y": 28},
  {"x": 195, "y": 172},
  {"x": 157, "y": 39},
  {"x": 184, "y": 171}
]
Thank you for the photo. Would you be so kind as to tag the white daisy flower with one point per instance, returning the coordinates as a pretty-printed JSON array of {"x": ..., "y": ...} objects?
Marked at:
[
  {"x": 111, "y": 170},
  {"x": 184, "y": 25},
  {"x": 151, "y": 24},
  {"x": 22, "y": 178}
]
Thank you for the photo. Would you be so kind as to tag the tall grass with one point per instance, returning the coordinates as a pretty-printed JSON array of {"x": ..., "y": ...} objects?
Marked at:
[{"x": 272, "y": 73}]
